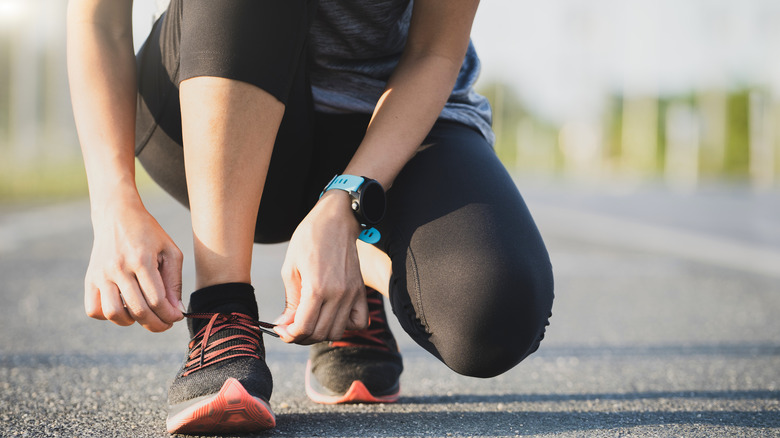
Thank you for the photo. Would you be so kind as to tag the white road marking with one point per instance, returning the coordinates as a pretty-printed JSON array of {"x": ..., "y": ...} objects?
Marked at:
[
  {"x": 555, "y": 221},
  {"x": 18, "y": 228}
]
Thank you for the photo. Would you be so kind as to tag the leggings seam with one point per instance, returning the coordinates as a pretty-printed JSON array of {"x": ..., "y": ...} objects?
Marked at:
[
  {"x": 417, "y": 288},
  {"x": 172, "y": 77},
  {"x": 156, "y": 116}
]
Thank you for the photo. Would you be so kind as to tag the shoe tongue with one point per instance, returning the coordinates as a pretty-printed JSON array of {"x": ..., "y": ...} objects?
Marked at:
[{"x": 221, "y": 298}]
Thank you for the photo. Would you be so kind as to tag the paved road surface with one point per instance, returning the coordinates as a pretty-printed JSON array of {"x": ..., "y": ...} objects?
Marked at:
[{"x": 666, "y": 323}]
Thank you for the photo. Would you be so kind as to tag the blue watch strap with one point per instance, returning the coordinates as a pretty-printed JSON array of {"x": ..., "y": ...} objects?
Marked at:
[
  {"x": 349, "y": 183},
  {"x": 370, "y": 236}
]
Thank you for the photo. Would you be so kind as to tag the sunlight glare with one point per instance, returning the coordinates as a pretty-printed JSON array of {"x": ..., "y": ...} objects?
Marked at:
[{"x": 13, "y": 10}]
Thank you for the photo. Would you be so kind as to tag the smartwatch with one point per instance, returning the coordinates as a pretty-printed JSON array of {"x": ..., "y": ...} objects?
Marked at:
[{"x": 367, "y": 198}]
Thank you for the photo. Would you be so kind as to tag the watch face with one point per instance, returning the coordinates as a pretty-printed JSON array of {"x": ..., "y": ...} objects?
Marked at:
[{"x": 372, "y": 202}]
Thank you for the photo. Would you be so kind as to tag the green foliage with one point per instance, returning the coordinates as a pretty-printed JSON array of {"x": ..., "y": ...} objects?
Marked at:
[
  {"x": 50, "y": 181},
  {"x": 510, "y": 114},
  {"x": 507, "y": 111},
  {"x": 724, "y": 132},
  {"x": 737, "y": 156},
  {"x": 614, "y": 128},
  {"x": 524, "y": 141}
]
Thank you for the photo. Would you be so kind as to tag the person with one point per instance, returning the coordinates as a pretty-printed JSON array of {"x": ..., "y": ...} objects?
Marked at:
[{"x": 244, "y": 110}]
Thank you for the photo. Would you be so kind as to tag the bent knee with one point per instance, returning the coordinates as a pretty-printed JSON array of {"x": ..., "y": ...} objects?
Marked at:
[
  {"x": 491, "y": 332},
  {"x": 490, "y": 349}
]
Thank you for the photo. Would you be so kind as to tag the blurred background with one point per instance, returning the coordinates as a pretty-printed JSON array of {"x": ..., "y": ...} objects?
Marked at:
[
  {"x": 662, "y": 91},
  {"x": 645, "y": 138}
]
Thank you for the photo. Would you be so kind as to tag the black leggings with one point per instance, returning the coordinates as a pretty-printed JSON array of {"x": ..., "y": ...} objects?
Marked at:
[{"x": 472, "y": 281}]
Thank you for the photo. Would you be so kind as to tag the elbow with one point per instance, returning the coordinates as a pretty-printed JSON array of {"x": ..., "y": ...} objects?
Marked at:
[{"x": 109, "y": 19}]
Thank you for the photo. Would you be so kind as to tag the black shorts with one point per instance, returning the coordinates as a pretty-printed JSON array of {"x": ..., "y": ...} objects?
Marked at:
[{"x": 472, "y": 281}]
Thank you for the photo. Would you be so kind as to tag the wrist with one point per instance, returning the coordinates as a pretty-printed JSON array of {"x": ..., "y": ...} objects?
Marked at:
[
  {"x": 106, "y": 204},
  {"x": 338, "y": 203},
  {"x": 367, "y": 197},
  {"x": 367, "y": 202}
]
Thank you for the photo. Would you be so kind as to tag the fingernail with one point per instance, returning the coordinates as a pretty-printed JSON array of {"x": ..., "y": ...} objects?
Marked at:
[
  {"x": 282, "y": 319},
  {"x": 281, "y": 330},
  {"x": 181, "y": 307}
]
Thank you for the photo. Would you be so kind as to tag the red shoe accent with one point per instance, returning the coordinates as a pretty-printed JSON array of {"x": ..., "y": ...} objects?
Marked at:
[
  {"x": 204, "y": 353},
  {"x": 232, "y": 409},
  {"x": 357, "y": 393}
]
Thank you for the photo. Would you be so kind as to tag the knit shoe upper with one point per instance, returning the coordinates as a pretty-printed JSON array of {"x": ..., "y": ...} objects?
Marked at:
[
  {"x": 364, "y": 366},
  {"x": 224, "y": 384}
]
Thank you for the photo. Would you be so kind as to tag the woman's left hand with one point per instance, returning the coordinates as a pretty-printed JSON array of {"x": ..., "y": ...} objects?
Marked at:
[{"x": 324, "y": 288}]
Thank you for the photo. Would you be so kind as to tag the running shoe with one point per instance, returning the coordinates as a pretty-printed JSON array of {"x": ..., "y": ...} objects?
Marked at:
[
  {"x": 224, "y": 385},
  {"x": 363, "y": 367}
]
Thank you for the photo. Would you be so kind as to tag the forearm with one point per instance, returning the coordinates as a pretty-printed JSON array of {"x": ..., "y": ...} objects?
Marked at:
[
  {"x": 101, "y": 69},
  {"x": 413, "y": 100},
  {"x": 418, "y": 89}
]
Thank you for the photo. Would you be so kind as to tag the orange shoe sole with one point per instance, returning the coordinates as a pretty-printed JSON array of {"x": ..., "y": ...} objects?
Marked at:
[
  {"x": 357, "y": 393},
  {"x": 231, "y": 410}
]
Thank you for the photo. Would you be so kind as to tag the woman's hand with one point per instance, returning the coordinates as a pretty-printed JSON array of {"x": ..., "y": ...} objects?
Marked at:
[
  {"x": 134, "y": 272},
  {"x": 324, "y": 289}
]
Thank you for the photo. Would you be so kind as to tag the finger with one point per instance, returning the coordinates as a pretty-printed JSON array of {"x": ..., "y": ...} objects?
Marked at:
[
  {"x": 331, "y": 322},
  {"x": 286, "y": 318},
  {"x": 284, "y": 335},
  {"x": 306, "y": 317},
  {"x": 343, "y": 311},
  {"x": 358, "y": 314},
  {"x": 339, "y": 323},
  {"x": 113, "y": 306},
  {"x": 292, "y": 296},
  {"x": 151, "y": 285},
  {"x": 137, "y": 305},
  {"x": 92, "y": 302},
  {"x": 170, "y": 264}
]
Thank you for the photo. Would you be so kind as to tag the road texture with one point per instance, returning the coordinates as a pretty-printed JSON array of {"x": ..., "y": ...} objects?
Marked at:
[{"x": 666, "y": 323}]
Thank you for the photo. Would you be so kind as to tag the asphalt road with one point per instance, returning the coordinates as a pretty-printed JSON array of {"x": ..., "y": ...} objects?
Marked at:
[{"x": 666, "y": 323}]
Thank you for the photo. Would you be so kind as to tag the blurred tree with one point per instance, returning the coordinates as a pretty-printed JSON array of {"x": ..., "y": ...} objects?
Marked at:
[{"x": 736, "y": 158}]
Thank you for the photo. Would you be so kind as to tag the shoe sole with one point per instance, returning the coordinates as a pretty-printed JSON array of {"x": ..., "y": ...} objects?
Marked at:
[
  {"x": 357, "y": 393},
  {"x": 230, "y": 410}
]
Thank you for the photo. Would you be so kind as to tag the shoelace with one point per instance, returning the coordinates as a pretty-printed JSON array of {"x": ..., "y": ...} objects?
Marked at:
[
  {"x": 376, "y": 326},
  {"x": 203, "y": 354}
]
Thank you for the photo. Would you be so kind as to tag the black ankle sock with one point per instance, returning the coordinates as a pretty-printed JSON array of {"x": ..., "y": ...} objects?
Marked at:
[{"x": 221, "y": 298}]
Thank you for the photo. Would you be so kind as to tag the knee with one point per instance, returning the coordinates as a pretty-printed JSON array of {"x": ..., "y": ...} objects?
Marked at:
[
  {"x": 491, "y": 329},
  {"x": 490, "y": 348}
]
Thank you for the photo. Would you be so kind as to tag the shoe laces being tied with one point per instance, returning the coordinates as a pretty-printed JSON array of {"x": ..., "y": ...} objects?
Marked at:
[
  {"x": 373, "y": 336},
  {"x": 213, "y": 343}
]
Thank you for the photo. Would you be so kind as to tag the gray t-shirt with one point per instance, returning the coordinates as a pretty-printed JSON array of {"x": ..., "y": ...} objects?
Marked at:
[{"x": 356, "y": 45}]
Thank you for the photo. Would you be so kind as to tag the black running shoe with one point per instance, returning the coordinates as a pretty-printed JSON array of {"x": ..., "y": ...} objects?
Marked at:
[
  {"x": 363, "y": 367},
  {"x": 224, "y": 385}
]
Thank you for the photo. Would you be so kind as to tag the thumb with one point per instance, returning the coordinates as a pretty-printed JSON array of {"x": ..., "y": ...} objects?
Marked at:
[
  {"x": 286, "y": 318},
  {"x": 358, "y": 315},
  {"x": 291, "y": 301},
  {"x": 170, "y": 265},
  {"x": 292, "y": 296}
]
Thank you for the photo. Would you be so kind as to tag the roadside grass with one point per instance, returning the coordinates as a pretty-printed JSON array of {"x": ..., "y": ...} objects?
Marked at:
[{"x": 50, "y": 182}]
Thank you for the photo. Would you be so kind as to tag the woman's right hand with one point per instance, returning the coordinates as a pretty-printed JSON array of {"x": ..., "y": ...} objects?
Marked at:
[{"x": 134, "y": 271}]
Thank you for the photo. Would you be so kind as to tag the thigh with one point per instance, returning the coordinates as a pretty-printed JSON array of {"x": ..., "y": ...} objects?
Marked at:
[
  {"x": 472, "y": 281},
  {"x": 158, "y": 136},
  {"x": 255, "y": 41},
  {"x": 258, "y": 42}
]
